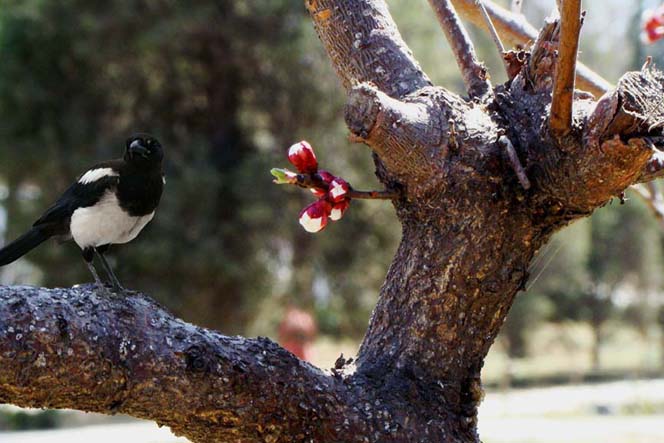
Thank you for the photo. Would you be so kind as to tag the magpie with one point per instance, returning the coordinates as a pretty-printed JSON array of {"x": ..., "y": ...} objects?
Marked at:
[{"x": 108, "y": 204}]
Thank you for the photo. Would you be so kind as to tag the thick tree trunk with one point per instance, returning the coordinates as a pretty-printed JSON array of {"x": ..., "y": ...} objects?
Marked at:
[{"x": 483, "y": 185}]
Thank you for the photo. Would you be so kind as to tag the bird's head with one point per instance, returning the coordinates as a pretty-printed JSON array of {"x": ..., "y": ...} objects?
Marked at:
[{"x": 144, "y": 150}]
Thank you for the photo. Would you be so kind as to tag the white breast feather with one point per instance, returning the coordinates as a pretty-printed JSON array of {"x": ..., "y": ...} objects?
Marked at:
[
  {"x": 105, "y": 223},
  {"x": 95, "y": 174}
]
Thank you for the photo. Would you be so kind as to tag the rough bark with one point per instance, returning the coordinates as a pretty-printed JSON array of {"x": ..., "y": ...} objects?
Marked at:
[{"x": 470, "y": 230}]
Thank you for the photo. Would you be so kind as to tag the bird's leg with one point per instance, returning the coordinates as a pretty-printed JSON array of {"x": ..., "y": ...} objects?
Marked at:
[
  {"x": 88, "y": 256},
  {"x": 109, "y": 271}
]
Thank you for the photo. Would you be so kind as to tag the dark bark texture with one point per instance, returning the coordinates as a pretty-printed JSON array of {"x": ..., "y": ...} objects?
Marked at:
[{"x": 482, "y": 183}]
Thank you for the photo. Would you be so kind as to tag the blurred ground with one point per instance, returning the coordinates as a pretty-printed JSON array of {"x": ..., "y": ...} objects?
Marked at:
[
  {"x": 623, "y": 411},
  {"x": 558, "y": 353},
  {"x": 618, "y": 412}
]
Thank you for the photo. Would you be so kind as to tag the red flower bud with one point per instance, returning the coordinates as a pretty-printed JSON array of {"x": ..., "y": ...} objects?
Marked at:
[
  {"x": 326, "y": 176},
  {"x": 318, "y": 192},
  {"x": 302, "y": 156},
  {"x": 313, "y": 218},
  {"x": 338, "y": 209},
  {"x": 339, "y": 189}
]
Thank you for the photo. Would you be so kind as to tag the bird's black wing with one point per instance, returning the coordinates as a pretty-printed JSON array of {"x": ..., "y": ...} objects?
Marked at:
[{"x": 78, "y": 195}]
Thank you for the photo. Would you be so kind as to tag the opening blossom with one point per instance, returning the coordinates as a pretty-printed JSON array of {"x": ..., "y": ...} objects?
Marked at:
[
  {"x": 314, "y": 217},
  {"x": 333, "y": 192}
]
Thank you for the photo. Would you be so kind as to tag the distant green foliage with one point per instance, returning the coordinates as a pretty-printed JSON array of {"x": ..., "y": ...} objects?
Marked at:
[{"x": 11, "y": 420}]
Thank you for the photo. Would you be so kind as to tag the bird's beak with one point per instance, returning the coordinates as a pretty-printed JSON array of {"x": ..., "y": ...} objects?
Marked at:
[{"x": 136, "y": 148}]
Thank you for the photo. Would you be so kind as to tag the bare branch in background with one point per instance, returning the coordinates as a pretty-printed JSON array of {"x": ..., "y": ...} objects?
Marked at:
[
  {"x": 560, "y": 121},
  {"x": 514, "y": 29},
  {"x": 491, "y": 27},
  {"x": 473, "y": 72}
]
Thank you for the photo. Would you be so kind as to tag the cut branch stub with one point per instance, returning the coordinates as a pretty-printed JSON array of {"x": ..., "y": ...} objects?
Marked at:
[
  {"x": 401, "y": 132},
  {"x": 615, "y": 148},
  {"x": 641, "y": 99}
]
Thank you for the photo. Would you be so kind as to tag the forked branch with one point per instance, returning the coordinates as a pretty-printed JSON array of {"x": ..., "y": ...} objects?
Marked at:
[
  {"x": 560, "y": 121},
  {"x": 473, "y": 72}
]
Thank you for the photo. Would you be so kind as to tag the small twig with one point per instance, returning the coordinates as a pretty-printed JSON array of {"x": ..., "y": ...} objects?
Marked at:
[
  {"x": 473, "y": 72},
  {"x": 374, "y": 195},
  {"x": 647, "y": 63},
  {"x": 453, "y": 134},
  {"x": 315, "y": 181},
  {"x": 562, "y": 100},
  {"x": 514, "y": 161},
  {"x": 494, "y": 33},
  {"x": 492, "y": 28}
]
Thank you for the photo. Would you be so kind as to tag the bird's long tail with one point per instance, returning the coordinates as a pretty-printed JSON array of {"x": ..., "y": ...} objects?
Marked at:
[{"x": 22, "y": 245}]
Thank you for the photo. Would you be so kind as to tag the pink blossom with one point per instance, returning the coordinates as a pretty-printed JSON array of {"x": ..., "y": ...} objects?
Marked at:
[
  {"x": 339, "y": 189},
  {"x": 338, "y": 210},
  {"x": 314, "y": 217}
]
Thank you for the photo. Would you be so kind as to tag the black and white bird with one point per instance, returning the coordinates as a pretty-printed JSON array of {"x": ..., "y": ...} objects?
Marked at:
[{"x": 109, "y": 204}]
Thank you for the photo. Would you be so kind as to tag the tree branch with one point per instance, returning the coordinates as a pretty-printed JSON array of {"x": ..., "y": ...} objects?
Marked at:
[
  {"x": 400, "y": 132},
  {"x": 560, "y": 121},
  {"x": 364, "y": 45},
  {"x": 515, "y": 163},
  {"x": 73, "y": 348},
  {"x": 514, "y": 29},
  {"x": 618, "y": 149},
  {"x": 473, "y": 72}
]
